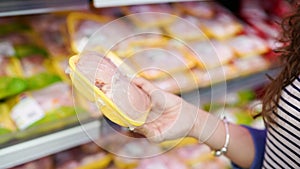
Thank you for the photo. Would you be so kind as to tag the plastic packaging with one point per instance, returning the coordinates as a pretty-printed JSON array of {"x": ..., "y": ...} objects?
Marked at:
[
  {"x": 186, "y": 28},
  {"x": 52, "y": 28},
  {"x": 248, "y": 45},
  {"x": 81, "y": 25},
  {"x": 103, "y": 92},
  {"x": 201, "y": 9},
  {"x": 153, "y": 15},
  {"x": 212, "y": 54},
  {"x": 151, "y": 63}
]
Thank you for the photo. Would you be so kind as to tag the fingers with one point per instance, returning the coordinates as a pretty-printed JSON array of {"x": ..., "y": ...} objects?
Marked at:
[
  {"x": 144, "y": 84},
  {"x": 149, "y": 133}
]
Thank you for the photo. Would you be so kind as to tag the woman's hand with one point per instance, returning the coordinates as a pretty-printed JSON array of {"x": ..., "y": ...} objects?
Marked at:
[{"x": 170, "y": 116}]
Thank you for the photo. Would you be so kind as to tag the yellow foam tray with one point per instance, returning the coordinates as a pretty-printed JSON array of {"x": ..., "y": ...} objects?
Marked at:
[{"x": 94, "y": 94}]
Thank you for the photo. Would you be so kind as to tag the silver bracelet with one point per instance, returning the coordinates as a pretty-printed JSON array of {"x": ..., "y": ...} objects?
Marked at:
[{"x": 224, "y": 149}]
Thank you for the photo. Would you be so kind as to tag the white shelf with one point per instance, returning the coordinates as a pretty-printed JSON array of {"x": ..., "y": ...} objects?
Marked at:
[
  {"x": 112, "y": 3},
  {"x": 42, "y": 146},
  {"x": 26, "y": 7}
]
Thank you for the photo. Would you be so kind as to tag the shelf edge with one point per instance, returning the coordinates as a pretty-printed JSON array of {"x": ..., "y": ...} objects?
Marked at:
[{"x": 46, "y": 145}]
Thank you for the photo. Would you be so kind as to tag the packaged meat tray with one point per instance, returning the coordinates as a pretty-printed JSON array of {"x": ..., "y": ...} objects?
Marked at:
[
  {"x": 139, "y": 39},
  {"x": 60, "y": 65},
  {"x": 194, "y": 153},
  {"x": 9, "y": 67},
  {"x": 216, "y": 75},
  {"x": 7, "y": 126},
  {"x": 52, "y": 28},
  {"x": 211, "y": 54},
  {"x": 250, "y": 65},
  {"x": 181, "y": 142},
  {"x": 248, "y": 45},
  {"x": 98, "y": 160},
  {"x": 164, "y": 161},
  {"x": 201, "y": 9},
  {"x": 178, "y": 82},
  {"x": 186, "y": 28},
  {"x": 41, "y": 111},
  {"x": 102, "y": 79},
  {"x": 33, "y": 64},
  {"x": 81, "y": 26},
  {"x": 149, "y": 61},
  {"x": 152, "y": 15},
  {"x": 130, "y": 154},
  {"x": 222, "y": 26}
]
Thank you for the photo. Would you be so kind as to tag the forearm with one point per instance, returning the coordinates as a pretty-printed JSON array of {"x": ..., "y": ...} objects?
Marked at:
[{"x": 210, "y": 130}]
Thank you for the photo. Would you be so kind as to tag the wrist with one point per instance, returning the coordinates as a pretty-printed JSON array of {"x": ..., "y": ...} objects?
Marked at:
[{"x": 197, "y": 127}]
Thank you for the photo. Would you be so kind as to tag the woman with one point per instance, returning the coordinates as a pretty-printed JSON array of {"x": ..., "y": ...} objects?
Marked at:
[{"x": 276, "y": 147}]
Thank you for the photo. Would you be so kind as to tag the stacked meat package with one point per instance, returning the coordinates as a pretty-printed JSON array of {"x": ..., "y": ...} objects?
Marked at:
[
  {"x": 122, "y": 149},
  {"x": 178, "y": 46},
  {"x": 36, "y": 95}
]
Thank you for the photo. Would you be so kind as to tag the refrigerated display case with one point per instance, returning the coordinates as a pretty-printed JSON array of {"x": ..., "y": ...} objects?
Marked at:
[{"x": 23, "y": 150}]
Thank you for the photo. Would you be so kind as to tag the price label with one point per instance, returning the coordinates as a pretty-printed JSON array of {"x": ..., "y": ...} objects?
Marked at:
[
  {"x": 6, "y": 49},
  {"x": 26, "y": 112}
]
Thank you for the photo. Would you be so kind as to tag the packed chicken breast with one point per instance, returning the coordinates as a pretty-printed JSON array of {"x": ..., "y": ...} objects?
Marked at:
[{"x": 104, "y": 74}]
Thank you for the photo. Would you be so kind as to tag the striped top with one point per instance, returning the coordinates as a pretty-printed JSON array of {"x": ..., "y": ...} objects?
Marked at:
[{"x": 282, "y": 148}]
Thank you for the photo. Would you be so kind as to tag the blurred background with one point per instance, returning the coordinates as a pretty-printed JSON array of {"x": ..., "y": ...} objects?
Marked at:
[{"x": 220, "y": 51}]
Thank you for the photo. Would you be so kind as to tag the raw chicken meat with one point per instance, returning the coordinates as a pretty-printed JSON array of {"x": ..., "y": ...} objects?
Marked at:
[
  {"x": 178, "y": 82},
  {"x": 200, "y": 9},
  {"x": 85, "y": 30},
  {"x": 130, "y": 154},
  {"x": 16, "y": 38},
  {"x": 161, "y": 162},
  {"x": 5, "y": 64},
  {"x": 222, "y": 26},
  {"x": 194, "y": 153},
  {"x": 102, "y": 72},
  {"x": 54, "y": 96},
  {"x": 212, "y": 54},
  {"x": 52, "y": 29},
  {"x": 186, "y": 28},
  {"x": 151, "y": 62},
  {"x": 248, "y": 45},
  {"x": 154, "y": 14},
  {"x": 45, "y": 163},
  {"x": 33, "y": 64}
]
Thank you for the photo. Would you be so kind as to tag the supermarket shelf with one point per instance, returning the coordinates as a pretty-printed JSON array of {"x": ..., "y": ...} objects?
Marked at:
[
  {"x": 112, "y": 3},
  {"x": 49, "y": 144},
  {"x": 205, "y": 95},
  {"x": 25, "y": 7}
]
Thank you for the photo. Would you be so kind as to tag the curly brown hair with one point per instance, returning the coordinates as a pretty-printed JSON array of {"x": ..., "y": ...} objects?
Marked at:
[{"x": 290, "y": 59}]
